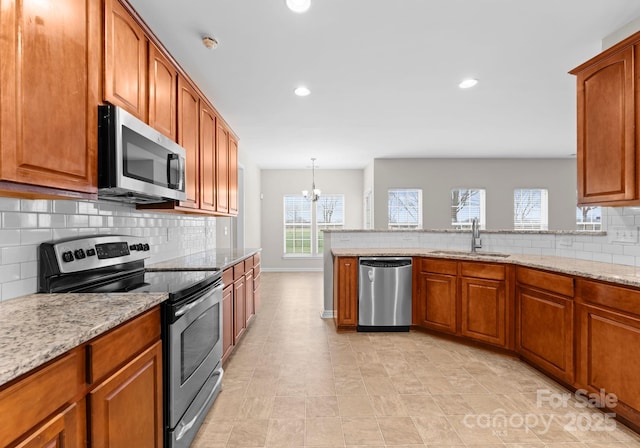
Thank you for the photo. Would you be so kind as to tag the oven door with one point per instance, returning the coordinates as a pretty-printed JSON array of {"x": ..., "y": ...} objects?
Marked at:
[{"x": 194, "y": 337}]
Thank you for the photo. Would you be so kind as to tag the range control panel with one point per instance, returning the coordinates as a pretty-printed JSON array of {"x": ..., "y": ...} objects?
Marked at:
[{"x": 81, "y": 254}]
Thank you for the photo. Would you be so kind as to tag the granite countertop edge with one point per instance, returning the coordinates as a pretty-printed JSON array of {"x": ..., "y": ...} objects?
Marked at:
[
  {"x": 614, "y": 273},
  {"x": 494, "y": 231},
  {"x": 210, "y": 260},
  {"x": 37, "y": 328}
]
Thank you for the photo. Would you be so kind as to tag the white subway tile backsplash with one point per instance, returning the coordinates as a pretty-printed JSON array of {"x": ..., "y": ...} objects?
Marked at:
[
  {"x": 14, "y": 220},
  {"x": 25, "y": 224},
  {"x": 624, "y": 259}
]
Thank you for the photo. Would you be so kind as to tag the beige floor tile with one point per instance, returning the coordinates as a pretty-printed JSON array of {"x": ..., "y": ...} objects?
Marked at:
[
  {"x": 421, "y": 406},
  {"x": 285, "y": 433},
  {"x": 248, "y": 433},
  {"x": 256, "y": 407},
  {"x": 399, "y": 431},
  {"x": 288, "y": 407},
  {"x": 374, "y": 369},
  {"x": 320, "y": 388},
  {"x": 379, "y": 386},
  {"x": 213, "y": 434},
  {"x": 361, "y": 431},
  {"x": 350, "y": 386},
  {"x": 322, "y": 407},
  {"x": 355, "y": 406},
  {"x": 453, "y": 404},
  {"x": 436, "y": 430},
  {"x": 262, "y": 387},
  {"x": 291, "y": 388},
  {"x": 326, "y": 431},
  {"x": 388, "y": 405},
  {"x": 347, "y": 372},
  {"x": 408, "y": 384}
]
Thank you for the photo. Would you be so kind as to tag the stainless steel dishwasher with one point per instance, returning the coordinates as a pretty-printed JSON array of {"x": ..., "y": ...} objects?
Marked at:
[{"x": 384, "y": 295}]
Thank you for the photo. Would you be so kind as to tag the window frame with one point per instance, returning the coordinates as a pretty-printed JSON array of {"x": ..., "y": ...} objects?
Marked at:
[
  {"x": 405, "y": 225},
  {"x": 585, "y": 224},
  {"x": 461, "y": 225},
  {"x": 543, "y": 222}
]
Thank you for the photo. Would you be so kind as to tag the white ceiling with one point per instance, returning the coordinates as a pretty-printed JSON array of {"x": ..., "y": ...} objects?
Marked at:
[{"x": 384, "y": 73}]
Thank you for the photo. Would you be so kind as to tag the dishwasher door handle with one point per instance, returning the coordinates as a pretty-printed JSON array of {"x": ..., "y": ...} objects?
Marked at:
[{"x": 370, "y": 274}]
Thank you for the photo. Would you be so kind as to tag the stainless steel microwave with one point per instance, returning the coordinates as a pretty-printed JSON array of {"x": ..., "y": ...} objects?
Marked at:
[{"x": 136, "y": 163}]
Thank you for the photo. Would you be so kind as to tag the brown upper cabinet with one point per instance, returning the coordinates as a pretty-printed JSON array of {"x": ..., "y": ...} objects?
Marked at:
[
  {"x": 125, "y": 60},
  {"x": 222, "y": 172},
  {"x": 41, "y": 47},
  {"x": 189, "y": 139},
  {"x": 162, "y": 93},
  {"x": 607, "y": 153}
]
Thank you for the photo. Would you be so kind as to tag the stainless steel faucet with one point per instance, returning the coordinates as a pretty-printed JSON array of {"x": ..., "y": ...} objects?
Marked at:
[{"x": 476, "y": 242}]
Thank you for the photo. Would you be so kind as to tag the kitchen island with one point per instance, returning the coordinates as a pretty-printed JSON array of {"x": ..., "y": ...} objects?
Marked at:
[{"x": 578, "y": 321}]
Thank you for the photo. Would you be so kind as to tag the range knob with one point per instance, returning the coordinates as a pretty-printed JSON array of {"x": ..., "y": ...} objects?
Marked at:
[
  {"x": 67, "y": 256},
  {"x": 79, "y": 254}
]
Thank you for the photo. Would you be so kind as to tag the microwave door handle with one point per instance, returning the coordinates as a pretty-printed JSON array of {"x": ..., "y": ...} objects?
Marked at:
[{"x": 171, "y": 183}]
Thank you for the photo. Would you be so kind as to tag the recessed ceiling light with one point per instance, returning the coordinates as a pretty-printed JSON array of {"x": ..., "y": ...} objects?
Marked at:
[
  {"x": 298, "y": 6},
  {"x": 302, "y": 91},
  {"x": 467, "y": 83}
]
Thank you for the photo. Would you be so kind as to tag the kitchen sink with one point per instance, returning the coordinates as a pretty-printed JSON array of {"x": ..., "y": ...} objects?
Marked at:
[{"x": 468, "y": 253}]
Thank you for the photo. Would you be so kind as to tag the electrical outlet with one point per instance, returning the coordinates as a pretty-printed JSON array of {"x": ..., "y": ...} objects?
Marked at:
[{"x": 624, "y": 234}]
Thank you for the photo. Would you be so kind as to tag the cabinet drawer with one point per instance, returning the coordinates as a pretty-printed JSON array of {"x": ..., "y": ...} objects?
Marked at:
[
  {"x": 439, "y": 266},
  {"x": 238, "y": 270},
  {"x": 623, "y": 299},
  {"x": 248, "y": 264},
  {"x": 256, "y": 259},
  {"x": 256, "y": 269},
  {"x": 26, "y": 403},
  {"x": 110, "y": 351},
  {"x": 482, "y": 270},
  {"x": 227, "y": 276},
  {"x": 559, "y": 284}
]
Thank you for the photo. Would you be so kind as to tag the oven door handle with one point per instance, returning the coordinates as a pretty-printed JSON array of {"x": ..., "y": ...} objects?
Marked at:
[
  {"x": 185, "y": 427},
  {"x": 192, "y": 305}
]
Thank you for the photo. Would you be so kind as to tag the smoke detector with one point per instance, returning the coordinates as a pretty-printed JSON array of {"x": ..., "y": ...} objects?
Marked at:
[{"x": 210, "y": 42}]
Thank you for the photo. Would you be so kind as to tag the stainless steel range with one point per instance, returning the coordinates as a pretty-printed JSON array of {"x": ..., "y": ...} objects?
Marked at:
[{"x": 191, "y": 317}]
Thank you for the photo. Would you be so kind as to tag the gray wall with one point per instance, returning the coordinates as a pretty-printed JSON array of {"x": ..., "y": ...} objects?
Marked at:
[
  {"x": 252, "y": 203},
  {"x": 436, "y": 178},
  {"x": 276, "y": 184}
]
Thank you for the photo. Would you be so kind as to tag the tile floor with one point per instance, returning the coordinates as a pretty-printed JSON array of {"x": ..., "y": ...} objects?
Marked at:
[{"x": 294, "y": 382}]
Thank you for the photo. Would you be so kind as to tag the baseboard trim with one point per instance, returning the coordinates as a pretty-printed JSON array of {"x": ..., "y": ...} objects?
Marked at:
[{"x": 327, "y": 314}]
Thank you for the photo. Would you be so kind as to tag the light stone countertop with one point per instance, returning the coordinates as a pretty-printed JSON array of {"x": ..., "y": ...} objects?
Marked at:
[
  {"x": 614, "y": 273},
  {"x": 203, "y": 261},
  {"x": 35, "y": 329}
]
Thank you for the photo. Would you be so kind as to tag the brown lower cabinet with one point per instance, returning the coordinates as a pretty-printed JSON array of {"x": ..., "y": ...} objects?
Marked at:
[
  {"x": 345, "y": 293},
  {"x": 240, "y": 301},
  {"x": 435, "y": 298},
  {"x": 106, "y": 392}
]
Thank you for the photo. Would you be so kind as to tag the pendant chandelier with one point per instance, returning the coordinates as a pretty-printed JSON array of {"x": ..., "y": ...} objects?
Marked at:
[{"x": 315, "y": 193}]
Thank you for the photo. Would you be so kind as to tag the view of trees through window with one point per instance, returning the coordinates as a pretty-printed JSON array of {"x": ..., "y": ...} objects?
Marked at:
[
  {"x": 304, "y": 221},
  {"x": 530, "y": 209},
  {"x": 588, "y": 218},
  {"x": 467, "y": 204},
  {"x": 405, "y": 209}
]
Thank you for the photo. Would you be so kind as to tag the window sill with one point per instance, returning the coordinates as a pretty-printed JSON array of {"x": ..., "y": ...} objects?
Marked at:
[{"x": 303, "y": 256}]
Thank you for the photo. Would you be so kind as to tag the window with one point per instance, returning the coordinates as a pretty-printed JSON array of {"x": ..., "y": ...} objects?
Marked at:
[
  {"x": 405, "y": 209},
  {"x": 304, "y": 222},
  {"x": 329, "y": 215},
  {"x": 589, "y": 218},
  {"x": 530, "y": 207},
  {"x": 467, "y": 204}
]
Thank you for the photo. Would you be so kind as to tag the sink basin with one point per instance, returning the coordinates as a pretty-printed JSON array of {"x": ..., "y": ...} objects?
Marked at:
[{"x": 468, "y": 253}]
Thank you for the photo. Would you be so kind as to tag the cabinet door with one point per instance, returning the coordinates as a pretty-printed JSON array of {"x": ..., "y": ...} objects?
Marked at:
[
  {"x": 239, "y": 320},
  {"x": 345, "y": 295},
  {"x": 189, "y": 139},
  {"x": 222, "y": 168},
  {"x": 125, "y": 61},
  {"x": 436, "y": 307},
  {"x": 49, "y": 93},
  {"x": 207, "y": 157},
  {"x": 483, "y": 315},
  {"x": 163, "y": 90},
  {"x": 544, "y": 331},
  {"x": 233, "y": 176},
  {"x": 249, "y": 306},
  {"x": 227, "y": 321},
  {"x": 606, "y": 133},
  {"x": 61, "y": 431},
  {"x": 608, "y": 359},
  {"x": 256, "y": 291},
  {"x": 126, "y": 409}
]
